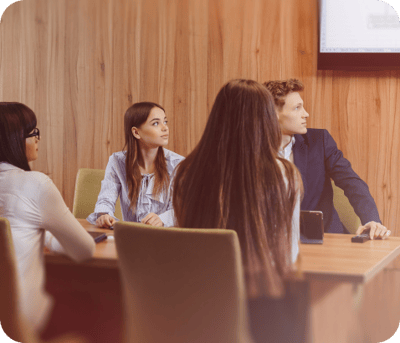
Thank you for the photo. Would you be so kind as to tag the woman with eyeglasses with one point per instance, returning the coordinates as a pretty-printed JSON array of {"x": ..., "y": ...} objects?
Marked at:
[
  {"x": 141, "y": 174},
  {"x": 36, "y": 211}
]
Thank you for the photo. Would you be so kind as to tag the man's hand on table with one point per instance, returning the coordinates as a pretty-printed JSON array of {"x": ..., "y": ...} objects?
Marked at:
[{"x": 375, "y": 230}]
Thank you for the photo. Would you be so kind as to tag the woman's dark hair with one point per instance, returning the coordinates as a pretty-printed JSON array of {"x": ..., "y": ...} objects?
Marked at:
[
  {"x": 233, "y": 180},
  {"x": 135, "y": 116},
  {"x": 16, "y": 122}
]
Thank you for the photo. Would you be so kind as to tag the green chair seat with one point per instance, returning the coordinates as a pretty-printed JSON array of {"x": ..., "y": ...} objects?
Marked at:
[
  {"x": 344, "y": 209},
  {"x": 87, "y": 189}
]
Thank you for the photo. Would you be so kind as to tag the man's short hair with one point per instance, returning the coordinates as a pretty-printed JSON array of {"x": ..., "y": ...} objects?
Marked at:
[{"x": 279, "y": 89}]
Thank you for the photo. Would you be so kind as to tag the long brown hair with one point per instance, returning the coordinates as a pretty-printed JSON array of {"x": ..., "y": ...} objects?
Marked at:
[
  {"x": 136, "y": 115},
  {"x": 232, "y": 180}
]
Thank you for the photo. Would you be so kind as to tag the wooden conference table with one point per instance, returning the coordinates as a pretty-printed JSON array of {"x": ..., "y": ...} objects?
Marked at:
[{"x": 352, "y": 289}]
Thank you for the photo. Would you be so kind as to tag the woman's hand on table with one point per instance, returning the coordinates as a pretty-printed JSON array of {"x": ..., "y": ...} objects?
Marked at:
[
  {"x": 152, "y": 219},
  {"x": 375, "y": 230},
  {"x": 105, "y": 221}
]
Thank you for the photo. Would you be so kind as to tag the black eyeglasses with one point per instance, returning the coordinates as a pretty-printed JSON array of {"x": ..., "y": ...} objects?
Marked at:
[{"x": 35, "y": 133}]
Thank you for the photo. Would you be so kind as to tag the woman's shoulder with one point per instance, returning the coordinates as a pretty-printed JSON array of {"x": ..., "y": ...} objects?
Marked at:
[
  {"x": 31, "y": 184},
  {"x": 172, "y": 157},
  {"x": 22, "y": 181},
  {"x": 37, "y": 177},
  {"x": 23, "y": 175},
  {"x": 117, "y": 158}
]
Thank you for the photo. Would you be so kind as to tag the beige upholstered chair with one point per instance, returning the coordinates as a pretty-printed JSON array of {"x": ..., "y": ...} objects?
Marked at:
[
  {"x": 343, "y": 207},
  {"x": 181, "y": 285},
  {"x": 87, "y": 189},
  {"x": 10, "y": 317},
  {"x": 12, "y": 321}
]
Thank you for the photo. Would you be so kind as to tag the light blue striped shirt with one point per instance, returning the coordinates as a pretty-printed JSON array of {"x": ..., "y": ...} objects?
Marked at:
[{"x": 115, "y": 184}]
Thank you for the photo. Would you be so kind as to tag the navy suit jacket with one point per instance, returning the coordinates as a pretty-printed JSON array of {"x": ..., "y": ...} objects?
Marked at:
[{"x": 319, "y": 160}]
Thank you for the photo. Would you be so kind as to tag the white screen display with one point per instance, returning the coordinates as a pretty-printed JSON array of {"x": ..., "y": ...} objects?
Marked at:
[{"x": 363, "y": 26}]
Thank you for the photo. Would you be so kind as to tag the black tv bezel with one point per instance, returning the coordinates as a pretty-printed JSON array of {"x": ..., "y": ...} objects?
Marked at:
[
  {"x": 358, "y": 61},
  {"x": 364, "y": 61}
]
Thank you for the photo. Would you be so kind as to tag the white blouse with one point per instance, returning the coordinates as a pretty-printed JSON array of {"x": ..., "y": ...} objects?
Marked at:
[
  {"x": 115, "y": 184},
  {"x": 32, "y": 204}
]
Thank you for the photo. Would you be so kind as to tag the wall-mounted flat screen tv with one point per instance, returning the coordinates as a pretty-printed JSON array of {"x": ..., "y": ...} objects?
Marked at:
[{"x": 358, "y": 35}]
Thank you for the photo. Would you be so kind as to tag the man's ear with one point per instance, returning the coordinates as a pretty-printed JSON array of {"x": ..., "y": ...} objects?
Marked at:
[{"x": 135, "y": 132}]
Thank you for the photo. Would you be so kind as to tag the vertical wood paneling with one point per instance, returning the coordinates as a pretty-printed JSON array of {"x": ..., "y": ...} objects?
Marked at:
[
  {"x": 123, "y": 71},
  {"x": 198, "y": 47},
  {"x": 215, "y": 52},
  {"x": 270, "y": 43},
  {"x": 11, "y": 38},
  {"x": 320, "y": 100},
  {"x": 181, "y": 78},
  {"x": 52, "y": 66},
  {"x": 70, "y": 137},
  {"x": 79, "y": 64}
]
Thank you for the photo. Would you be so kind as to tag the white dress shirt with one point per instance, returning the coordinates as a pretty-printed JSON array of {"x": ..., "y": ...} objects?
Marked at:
[
  {"x": 32, "y": 204},
  {"x": 115, "y": 184},
  {"x": 287, "y": 152},
  {"x": 295, "y": 220}
]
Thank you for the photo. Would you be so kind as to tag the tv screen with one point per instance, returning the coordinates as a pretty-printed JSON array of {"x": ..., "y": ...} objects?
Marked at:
[{"x": 358, "y": 35}]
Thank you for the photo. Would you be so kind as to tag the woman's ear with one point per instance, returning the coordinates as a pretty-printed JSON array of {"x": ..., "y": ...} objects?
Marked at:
[{"x": 135, "y": 132}]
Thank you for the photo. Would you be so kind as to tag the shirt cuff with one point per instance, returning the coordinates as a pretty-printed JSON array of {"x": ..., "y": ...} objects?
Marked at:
[{"x": 168, "y": 218}]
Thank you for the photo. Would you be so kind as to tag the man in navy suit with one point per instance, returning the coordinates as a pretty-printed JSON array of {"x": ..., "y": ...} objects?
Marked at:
[{"x": 315, "y": 154}]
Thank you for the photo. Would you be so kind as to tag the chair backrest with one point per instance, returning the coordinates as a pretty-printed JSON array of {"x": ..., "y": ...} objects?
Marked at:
[
  {"x": 182, "y": 285},
  {"x": 344, "y": 209},
  {"x": 10, "y": 317},
  {"x": 87, "y": 189}
]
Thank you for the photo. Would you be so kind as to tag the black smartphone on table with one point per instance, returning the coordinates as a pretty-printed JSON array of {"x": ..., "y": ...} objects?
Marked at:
[
  {"x": 311, "y": 227},
  {"x": 98, "y": 236}
]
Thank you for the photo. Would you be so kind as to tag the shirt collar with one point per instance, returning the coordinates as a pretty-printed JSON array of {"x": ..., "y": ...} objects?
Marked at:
[{"x": 285, "y": 153}]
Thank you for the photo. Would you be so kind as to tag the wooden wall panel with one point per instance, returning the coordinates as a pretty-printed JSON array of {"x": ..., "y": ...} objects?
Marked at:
[{"x": 79, "y": 64}]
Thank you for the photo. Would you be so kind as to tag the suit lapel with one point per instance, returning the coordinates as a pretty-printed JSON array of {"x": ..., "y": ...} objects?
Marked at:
[{"x": 300, "y": 156}]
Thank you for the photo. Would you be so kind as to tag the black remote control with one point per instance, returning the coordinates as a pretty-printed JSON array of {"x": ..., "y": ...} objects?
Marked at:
[{"x": 360, "y": 238}]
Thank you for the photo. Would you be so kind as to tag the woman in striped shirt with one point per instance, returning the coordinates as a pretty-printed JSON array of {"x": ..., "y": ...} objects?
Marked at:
[{"x": 141, "y": 174}]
